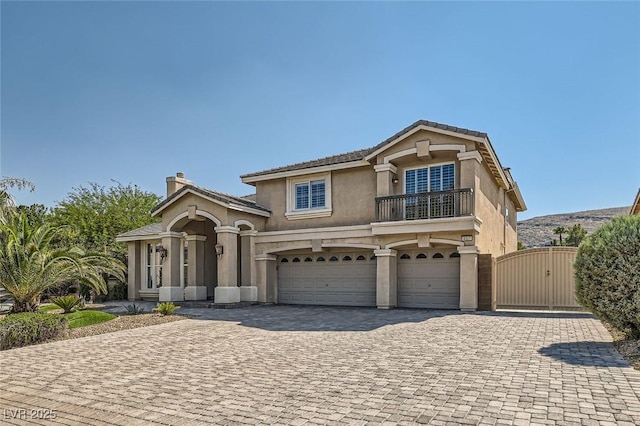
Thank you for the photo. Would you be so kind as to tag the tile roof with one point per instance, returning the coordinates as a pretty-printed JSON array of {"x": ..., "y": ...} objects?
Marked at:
[
  {"x": 153, "y": 229},
  {"x": 362, "y": 153},
  {"x": 220, "y": 196}
]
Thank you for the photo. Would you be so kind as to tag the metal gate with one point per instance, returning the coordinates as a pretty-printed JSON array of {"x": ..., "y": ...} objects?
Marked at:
[{"x": 539, "y": 278}]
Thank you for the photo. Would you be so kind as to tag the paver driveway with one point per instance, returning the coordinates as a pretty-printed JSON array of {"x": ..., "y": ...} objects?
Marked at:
[{"x": 298, "y": 365}]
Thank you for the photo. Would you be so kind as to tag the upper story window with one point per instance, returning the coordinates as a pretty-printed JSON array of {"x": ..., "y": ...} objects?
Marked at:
[
  {"x": 308, "y": 196},
  {"x": 428, "y": 179}
]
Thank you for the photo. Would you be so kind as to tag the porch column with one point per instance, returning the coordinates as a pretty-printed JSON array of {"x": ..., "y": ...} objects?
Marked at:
[
  {"x": 266, "y": 277},
  {"x": 227, "y": 290},
  {"x": 248, "y": 289},
  {"x": 171, "y": 290},
  {"x": 386, "y": 278},
  {"x": 468, "y": 278},
  {"x": 196, "y": 288},
  {"x": 134, "y": 270}
]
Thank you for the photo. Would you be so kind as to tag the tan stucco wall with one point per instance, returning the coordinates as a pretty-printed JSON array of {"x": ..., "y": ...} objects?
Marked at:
[
  {"x": 353, "y": 193},
  {"x": 497, "y": 236}
]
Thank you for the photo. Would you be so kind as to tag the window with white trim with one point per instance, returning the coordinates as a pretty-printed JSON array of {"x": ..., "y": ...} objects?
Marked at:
[
  {"x": 429, "y": 179},
  {"x": 308, "y": 196},
  {"x": 153, "y": 268}
]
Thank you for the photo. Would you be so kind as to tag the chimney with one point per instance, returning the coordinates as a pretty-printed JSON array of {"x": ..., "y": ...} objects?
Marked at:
[{"x": 174, "y": 183}]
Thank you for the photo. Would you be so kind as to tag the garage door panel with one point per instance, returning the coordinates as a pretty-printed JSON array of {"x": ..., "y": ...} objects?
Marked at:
[
  {"x": 342, "y": 282},
  {"x": 429, "y": 282}
]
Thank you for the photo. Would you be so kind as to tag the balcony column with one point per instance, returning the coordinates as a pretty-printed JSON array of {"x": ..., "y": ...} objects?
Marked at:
[
  {"x": 386, "y": 278},
  {"x": 266, "y": 276},
  {"x": 196, "y": 288},
  {"x": 385, "y": 173},
  {"x": 248, "y": 289},
  {"x": 468, "y": 278},
  {"x": 470, "y": 173},
  {"x": 171, "y": 290},
  {"x": 227, "y": 290}
]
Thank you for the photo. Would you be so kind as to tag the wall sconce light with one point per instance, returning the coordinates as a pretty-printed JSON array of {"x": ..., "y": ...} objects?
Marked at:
[
  {"x": 394, "y": 179},
  {"x": 163, "y": 253},
  {"x": 219, "y": 250}
]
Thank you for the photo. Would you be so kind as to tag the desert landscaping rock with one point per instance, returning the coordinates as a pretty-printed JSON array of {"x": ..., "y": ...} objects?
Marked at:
[{"x": 320, "y": 365}]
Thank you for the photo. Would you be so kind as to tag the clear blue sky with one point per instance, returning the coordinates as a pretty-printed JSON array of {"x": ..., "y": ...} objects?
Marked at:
[{"x": 136, "y": 91}]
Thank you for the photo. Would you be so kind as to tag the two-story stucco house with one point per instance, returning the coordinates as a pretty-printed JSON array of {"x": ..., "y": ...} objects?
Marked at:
[{"x": 400, "y": 224}]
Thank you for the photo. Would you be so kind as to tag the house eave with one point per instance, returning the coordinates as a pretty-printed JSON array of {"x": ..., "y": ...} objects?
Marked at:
[
  {"x": 230, "y": 206},
  {"x": 306, "y": 171}
]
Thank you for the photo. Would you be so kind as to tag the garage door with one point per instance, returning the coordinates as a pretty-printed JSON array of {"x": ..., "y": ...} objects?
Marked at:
[
  {"x": 429, "y": 279},
  {"x": 346, "y": 279}
]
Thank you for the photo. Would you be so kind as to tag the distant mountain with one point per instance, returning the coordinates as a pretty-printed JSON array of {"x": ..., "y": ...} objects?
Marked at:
[{"x": 538, "y": 231}]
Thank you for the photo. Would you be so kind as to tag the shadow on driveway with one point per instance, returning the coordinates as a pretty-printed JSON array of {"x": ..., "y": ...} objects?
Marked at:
[
  {"x": 316, "y": 318},
  {"x": 598, "y": 354}
]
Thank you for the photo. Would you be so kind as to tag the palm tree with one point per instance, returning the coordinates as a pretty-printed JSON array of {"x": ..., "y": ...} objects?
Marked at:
[
  {"x": 30, "y": 263},
  {"x": 559, "y": 231}
]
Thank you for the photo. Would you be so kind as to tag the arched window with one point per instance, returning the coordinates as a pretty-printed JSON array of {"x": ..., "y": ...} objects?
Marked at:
[
  {"x": 405, "y": 256},
  {"x": 284, "y": 260},
  {"x": 421, "y": 256},
  {"x": 308, "y": 259},
  {"x": 438, "y": 256},
  {"x": 333, "y": 259},
  {"x": 295, "y": 260},
  {"x": 361, "y": 257},
  {"x": 454, "y": 254},
  {"x": 347, "y": 257},
  {"x": 320, "y": 259}
]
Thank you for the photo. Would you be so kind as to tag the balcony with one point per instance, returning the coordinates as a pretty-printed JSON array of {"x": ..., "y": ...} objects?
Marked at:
[{"x": 425, "y": 205}]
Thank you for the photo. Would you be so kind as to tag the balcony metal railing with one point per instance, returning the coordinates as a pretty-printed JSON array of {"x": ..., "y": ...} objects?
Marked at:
[{"x": 425, "y": 205}]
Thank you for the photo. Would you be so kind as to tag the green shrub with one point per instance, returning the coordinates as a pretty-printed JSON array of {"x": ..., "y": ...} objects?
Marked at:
[
  {"x": 30, "y": 327},
  {"x": 166, "y": 308},
  {"x": 134, "y": 309},
  {"x": 67, "y": 303},
  {"x": 607, "y": 271}
]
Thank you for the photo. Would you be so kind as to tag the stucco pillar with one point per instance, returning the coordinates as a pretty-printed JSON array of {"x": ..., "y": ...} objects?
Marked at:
[
  {"x": 385, "y": 173},
  {"x": 171, "y": 290},
  {"x": 266, "y": 276},
  {"x": 134, "y": 270},
  {"x": 468, "y": 278},
  {"x": 227, "y": 290},
  {"x": 386, "y": 278},
  {"x": 196, "y": 288},
  {"x": 248, "y": 288}
]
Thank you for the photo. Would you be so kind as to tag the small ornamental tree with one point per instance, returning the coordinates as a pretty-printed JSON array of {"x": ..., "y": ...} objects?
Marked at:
[{"x": 607, "y": 271}]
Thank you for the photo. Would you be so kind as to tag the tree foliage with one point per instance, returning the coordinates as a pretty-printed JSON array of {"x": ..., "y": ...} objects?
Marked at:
[
  {"x": 36, "y": 213},
  {"x": 559, "y": 231},
  {"x": 607, "y": 271},
  {"x": 31, "y": 264},
  {"x": 98, "y": 214},
  {"x": 7, "y": 206},
  {"x": 575, "y": 235}
]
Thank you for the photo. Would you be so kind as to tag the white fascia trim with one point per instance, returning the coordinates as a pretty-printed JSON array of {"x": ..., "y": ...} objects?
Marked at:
[
  {"x": 355, "y": 231},
  {"x": 468, "y": 223},
  {"x": 422, "y": 127},
  {"x": 308, "y": 214},
  {"x": 470, "y": 155},
  {"x": 385, "y": 167},
  {"x": 307, "y": 171},
  {"x": 385, "y": 253},
  {"x": 289, "y": 248},
  {"x": 447, "y": 241},
  {"x": 354, "y": 245},
  {"x": 401, "y": 243},
  {"x": 223, "y": 204},
  {"x": 461, "y": 148},
  {"x": 227, "y": 229},
  {"x": 138, "y": 238},
  {"x": 403, "y": 153}
]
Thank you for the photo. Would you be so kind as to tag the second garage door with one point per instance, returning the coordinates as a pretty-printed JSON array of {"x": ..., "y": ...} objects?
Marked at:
[
  {"x": 327, "y": 279},
  {"x": 429, "y": 279}
]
